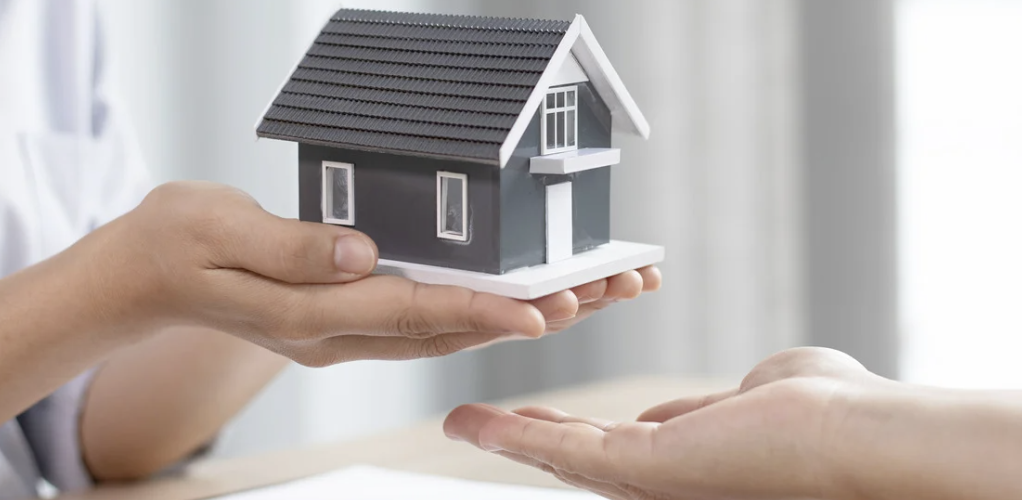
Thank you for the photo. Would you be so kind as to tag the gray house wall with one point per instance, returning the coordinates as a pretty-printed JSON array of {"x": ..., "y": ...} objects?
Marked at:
[
  {"x": 523, "y": 195},
  {"x": 395, "y": 200},
  {"x": 395, "y": 204}
]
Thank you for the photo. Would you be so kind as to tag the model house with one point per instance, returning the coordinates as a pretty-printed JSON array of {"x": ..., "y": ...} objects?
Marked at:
[{"x": 469, "y": 148}]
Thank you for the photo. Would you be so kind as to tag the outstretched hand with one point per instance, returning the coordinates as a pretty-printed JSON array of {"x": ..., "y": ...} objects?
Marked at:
[
  {"x": 768, "y": 438},
  {"x": 204, "y": 254}
]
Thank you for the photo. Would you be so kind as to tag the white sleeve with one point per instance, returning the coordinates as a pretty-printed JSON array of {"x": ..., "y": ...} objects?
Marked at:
[
  {"x": 51, "y": 428},
  {"x": 121, "y": 180},
  {"x": 123, "y": 177}
]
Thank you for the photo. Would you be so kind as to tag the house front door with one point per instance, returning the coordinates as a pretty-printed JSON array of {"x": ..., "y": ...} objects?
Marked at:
[{"x": 559, "y": 230}]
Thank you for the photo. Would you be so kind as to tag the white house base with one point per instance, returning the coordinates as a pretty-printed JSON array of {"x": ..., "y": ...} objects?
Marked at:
[{"x": 538, "y": 281}]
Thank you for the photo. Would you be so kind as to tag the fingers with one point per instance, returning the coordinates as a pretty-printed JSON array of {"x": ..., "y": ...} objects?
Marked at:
[
  {"x": 586, "y": 452},
  {"x": 558, "y": 416},
  {"x": 600, "y": 294},
  {"x": 558, "y": 307},
  {"x": 584, "y": 313},
  {"x": 590, "y": 292},
  {"x": 601, "y": 488},
  {"x": 292, "y": 251},
  {"x": 465, "y": 422},
  {"x": 652, "y": 279},
  {"x": 577, "y": 448},
  {"x": 393, "y": 306},
  {"x": 625, "y": 286},
  {"x": 346, "y": 348},
  {"x": 381, "y": 306},
  {"x": 679, "y": 407},
  {"x": 565, "y": 309}
]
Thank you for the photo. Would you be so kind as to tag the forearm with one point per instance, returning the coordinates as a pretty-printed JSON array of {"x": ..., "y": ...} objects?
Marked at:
[
  {"x": 933, "y": 444},
  {"x": 56, "y": 321},
  {"x": 157, "y": 402}
]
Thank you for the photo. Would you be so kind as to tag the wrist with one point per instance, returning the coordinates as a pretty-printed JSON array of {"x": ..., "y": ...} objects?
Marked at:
[
  {"x": 900, "y": 441},
  {"x": 55, "y": 323},
  {"x": 111, "y": 289},
  {"x": 865, "y": 423}
]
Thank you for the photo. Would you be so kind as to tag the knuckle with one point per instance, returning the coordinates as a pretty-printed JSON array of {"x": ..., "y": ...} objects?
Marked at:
[
  {"x": 439, "y": 346},
  {"x": 459, "y": 311},
  {"x": 411, "y": 324},
  {"x": 412, "y": 321},
  {"x": 471, "y": 322},
  {"x": 195, "y": 210}
]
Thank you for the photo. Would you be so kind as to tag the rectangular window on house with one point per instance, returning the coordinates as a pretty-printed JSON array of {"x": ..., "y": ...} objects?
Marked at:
[
  {"x": 560, "y": 120},
  {"x": 452, "y": 206},
  {"x": 338, "y": 193}
]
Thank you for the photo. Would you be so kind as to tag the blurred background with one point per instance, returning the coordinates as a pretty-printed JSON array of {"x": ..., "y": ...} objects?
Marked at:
[{"x": 843, "y": 173}]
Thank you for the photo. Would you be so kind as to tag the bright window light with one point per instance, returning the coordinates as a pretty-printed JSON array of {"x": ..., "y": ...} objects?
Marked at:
[{"x": 960, "y": 108}]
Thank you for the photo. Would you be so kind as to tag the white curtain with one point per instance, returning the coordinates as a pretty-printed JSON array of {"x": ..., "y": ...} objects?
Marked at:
[{"x": 718, "y": 184}]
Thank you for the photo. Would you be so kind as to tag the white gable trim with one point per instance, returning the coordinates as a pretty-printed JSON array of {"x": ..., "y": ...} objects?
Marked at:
[
  {"x": 570, "y": 73},
  {"x": 580, "y": 44},
  {"x": 608, "y": 84},
  {"x": 561, "y": 54}
]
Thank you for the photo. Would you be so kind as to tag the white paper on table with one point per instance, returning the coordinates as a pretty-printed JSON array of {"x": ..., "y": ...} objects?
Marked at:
[{"x": 371, "y": 483}]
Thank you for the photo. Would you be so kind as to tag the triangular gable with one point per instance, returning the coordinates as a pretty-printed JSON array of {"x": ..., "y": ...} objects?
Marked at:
[
  {"x": 570, "y": 72},
  {"x": 580, "y": 44}
]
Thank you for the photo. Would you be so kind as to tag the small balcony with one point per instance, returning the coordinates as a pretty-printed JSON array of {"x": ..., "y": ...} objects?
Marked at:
[{"x": 575, "y": 161}]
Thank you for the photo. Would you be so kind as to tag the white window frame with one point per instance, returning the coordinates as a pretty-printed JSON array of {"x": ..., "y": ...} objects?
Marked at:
[
  {"x": 441, "y": 213},
  {"x": 544, "y": 150},
  {"x": 327, "y": 194}
]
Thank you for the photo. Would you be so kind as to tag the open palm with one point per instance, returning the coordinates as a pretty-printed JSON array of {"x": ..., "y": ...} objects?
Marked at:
[{"x": 765, "y": 439}]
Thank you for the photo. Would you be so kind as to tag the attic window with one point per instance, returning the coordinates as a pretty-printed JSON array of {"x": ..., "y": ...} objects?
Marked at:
[
  {"x": 338, "y": 193},
  {"x": 451, "y": 206},
  {"x": 560, "y": 120}
]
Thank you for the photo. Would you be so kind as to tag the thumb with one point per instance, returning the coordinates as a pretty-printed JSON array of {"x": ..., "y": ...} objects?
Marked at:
[
  {"x": 297, "y": 252},
  {"x": 679, "y": 407}
]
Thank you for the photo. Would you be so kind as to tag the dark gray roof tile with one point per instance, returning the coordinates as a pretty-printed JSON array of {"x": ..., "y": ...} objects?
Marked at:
[
  {"x": 433, "y": 33},
  {"x": 508, "y": 63},
  {"x": 439, "y": 47},
  {"x": 495, "y": 92},
  {"x": 404, "y": 98},
  {"x": 491, "y": 77},
  {"x": 428, "y": 84},
  {"x": 402, "y": 127},
  {"x": 382, "y": 142},
  {"x": 396, "y": 112},
  {"x": 450, "y": 21}
]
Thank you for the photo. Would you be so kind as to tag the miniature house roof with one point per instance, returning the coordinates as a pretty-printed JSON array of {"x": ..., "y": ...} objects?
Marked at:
[{"x": 434, "y": 85}]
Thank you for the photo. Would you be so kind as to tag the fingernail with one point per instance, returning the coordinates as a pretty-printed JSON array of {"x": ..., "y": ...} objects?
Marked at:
[
  {"x": 560, "y": 316},
  {"x": 353, "y": 255}
]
